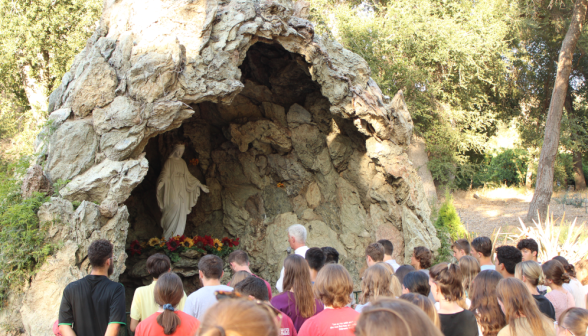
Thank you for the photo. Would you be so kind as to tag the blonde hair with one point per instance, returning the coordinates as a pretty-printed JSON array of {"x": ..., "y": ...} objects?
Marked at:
[
  {"x": 425, "y": 304},
  {"x": 395, "y": 285},
  {"x": 394, "y": 317},
  {"x": 532, "y": 272},
  {"x": 375, "y": 283},
  {"x": 518, "y": 301},
  {"x": 469, "y": 267},
  {"x": 575, "y": 320},
  {"x": 333, "y": 286},
  {"x": 238, "y": 277},
  {"x": 238, "y": 317}
]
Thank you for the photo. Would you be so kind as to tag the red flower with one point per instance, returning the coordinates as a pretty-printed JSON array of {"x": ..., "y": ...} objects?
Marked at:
[
  {"x": 208, "y": 241},
  {"x": 236, "y": 242},
  {"x": 172, "y": 245},
  {"x": 135, "y": 248}
]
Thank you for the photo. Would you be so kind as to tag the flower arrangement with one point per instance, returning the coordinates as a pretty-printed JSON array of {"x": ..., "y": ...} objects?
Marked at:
[{"x": 175, "y": 245}]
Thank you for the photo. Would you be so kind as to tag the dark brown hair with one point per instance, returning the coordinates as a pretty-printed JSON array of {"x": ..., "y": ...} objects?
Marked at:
[
  {"x": 569, "y": 268},
  {"x": 462, "y": 244},
  {"x": 575, "y": 320},
  {"x": 333, "y": 286},
  {"x": 448, "y": 278},
  {"x": 240, "y": 257},
  {"x": 388, "y": 246},
  {"x": 423, "y": 255},
  {"x": 211, "y": 266},
  {"x": 375, "y": 251},
  {"x": 297, "y": 279},
  {"x": 402, "y": 271},
  {"x": 485, "y": 302},
  {"x": 168, "y": 290},
  {"x": 253, "y": 286},
  {"x": 99, "y": 251},
  {"x": 555, "y": 272},
  {"x": 316, "y": 258},
  {"x": 482, "y": 245},
  {"x": 158, "y": 264},
  {"x": 518, "y": 301},
  {"x": 394, "y": 317},
  {"x": 238, "y": 317}
]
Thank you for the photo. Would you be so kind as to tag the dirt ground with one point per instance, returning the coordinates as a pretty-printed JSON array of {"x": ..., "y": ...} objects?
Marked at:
[{"x": 503, "y": 207}]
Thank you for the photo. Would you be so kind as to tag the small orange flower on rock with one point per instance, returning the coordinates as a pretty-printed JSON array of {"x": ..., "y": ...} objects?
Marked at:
[
  {"x": 194, "y": 162},
  {"x": 280, "y": 185}
]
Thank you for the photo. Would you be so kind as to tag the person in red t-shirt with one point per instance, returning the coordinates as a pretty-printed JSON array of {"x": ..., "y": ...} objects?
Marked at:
[
  {"x": 168, "y": 321},
  {"x": 239, "y": 261},
  {"x": 256, "y": 289},
  {"x": 333, "y": 286}
]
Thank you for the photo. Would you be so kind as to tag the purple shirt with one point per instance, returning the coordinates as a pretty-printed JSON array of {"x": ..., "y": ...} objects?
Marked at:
[{"x": 285, "y": 302}]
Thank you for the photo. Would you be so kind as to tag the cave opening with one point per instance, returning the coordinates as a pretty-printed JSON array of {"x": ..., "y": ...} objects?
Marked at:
[{"x": 259, "y": 156}]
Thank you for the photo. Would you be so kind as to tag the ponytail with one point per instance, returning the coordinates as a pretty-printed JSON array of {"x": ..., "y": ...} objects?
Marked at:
[
  {"x": 168, "y": 320},
  {"x": 448, "y": 279},
  {"x": 168, "y": 293}
]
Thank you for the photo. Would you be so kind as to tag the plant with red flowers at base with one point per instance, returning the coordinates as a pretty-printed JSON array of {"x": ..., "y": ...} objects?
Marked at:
[{"x": 175, "y": 245}]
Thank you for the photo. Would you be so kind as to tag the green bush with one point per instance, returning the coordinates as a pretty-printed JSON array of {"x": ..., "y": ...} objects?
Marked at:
[
  {"x": 508, "y": 166},
  {"x": 22, "y": 245},
  {"x": 449, "y": 219}
]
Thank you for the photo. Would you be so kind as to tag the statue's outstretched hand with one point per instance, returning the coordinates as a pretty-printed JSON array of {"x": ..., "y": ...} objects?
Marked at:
[{"x": 205, "y": 188}]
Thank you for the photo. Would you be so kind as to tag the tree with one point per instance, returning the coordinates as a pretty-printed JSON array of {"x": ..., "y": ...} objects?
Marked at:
[{"x": 545, "y": 168}]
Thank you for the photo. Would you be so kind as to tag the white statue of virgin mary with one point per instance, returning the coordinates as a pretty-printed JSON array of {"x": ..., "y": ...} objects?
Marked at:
[{"x": 177, "y": 193}]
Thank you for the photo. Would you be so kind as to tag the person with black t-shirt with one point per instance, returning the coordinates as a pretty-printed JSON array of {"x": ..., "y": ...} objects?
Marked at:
[
  {"x": 445, "y": 282},
  {"x": 94, "y": 305},
  {"x": 531, "y": 274}
]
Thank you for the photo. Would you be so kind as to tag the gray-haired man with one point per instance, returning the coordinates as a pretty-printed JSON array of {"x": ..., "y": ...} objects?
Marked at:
[{"x": 297, "y": 240}]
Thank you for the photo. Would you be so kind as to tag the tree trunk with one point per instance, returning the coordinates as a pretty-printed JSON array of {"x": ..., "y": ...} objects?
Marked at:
[
  {"x": 579, "y": 178},
  {"x": 544, "y": 185}
]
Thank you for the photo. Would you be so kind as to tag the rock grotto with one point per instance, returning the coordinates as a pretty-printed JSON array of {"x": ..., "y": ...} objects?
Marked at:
[{"x": 286, "y": 126}]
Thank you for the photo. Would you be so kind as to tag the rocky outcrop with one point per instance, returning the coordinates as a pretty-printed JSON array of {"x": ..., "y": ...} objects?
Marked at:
[{"x": 284, "y": 126}]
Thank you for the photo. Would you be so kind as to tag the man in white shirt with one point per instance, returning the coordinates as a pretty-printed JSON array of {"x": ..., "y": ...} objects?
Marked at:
[
  {"x": 297, "y": 240},
  {"x": 210, "y": 270},
  {"x": 388, "y": 250},
  {"x": 482, "y": 250}
]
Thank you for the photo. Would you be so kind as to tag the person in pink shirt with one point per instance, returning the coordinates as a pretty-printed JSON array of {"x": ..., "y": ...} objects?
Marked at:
[
  {"x": 555, "y": 276},
  {"x": 254, "y": 288},
  {"x": 333, "y": 286}
]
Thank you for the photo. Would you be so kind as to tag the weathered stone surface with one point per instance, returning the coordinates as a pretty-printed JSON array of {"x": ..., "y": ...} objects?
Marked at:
[
  {"x": 417, "y": 154},
  {"x": 35, "y": 181},
  {"x": 276, "y": 113},
  {"x": 108, "y": 208},
  {"x": 298, "y": 115},
  {"x": 94, "y": 87},
  {"x": 113, "y": 179},
  {"x": 263, "y": 131},
  {"x": 122, "y": 112},
  {"x": 71, "y": 150}
]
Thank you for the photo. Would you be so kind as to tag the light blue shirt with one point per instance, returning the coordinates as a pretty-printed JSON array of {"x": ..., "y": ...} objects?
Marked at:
[
  {"x": 198, "y": 302},
  {"x": 487, "y": 267}
]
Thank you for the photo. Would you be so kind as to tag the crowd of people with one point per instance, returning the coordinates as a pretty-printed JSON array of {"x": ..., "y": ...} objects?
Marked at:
[{"x": 514, "y": 295}]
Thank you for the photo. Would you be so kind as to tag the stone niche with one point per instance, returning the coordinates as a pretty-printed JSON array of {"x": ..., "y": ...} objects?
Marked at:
[
  {"x": 275, "y": 156},
  {"x": 287, "y": 127}
]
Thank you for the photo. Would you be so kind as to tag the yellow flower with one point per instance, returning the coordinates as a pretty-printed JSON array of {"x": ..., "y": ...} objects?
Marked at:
[
  {"x": 143, "y": 244},
  {"x": 218, "y": 243},
  {"x": 218, "y": 249},
  {"x": 190, "y": 242},
  {"x": 154, "y": 241}
]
